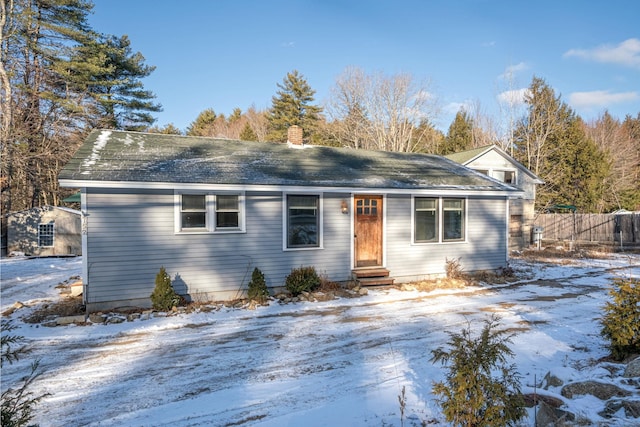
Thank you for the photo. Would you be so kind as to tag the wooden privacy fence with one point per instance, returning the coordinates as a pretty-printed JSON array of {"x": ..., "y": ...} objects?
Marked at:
[{"x": 600, "y": 228}]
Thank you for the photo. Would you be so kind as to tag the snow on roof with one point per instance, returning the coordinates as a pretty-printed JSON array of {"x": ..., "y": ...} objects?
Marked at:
[{"x": 113, "y": 156}]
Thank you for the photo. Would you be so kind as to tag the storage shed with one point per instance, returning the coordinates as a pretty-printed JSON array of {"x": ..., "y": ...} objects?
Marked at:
[{"x": 45, "y": 231}]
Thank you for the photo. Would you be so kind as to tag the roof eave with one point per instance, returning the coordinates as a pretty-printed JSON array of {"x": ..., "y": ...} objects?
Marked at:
[{"x": 457, "y": 190}]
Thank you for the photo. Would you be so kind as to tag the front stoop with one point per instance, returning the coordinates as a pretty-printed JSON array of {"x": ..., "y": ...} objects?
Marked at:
[{"x": 372, "y": 276}]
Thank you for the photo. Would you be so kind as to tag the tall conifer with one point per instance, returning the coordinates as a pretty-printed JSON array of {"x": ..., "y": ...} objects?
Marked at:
[
  {"x": 460, "y": 134},
  {"x": 292, "y": 105}
]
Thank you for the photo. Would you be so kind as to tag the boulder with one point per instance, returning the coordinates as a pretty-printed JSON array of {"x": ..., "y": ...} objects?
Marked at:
[
  {"x": 76, "y": 288},
  {"x": 551, "y": 380},
  {"x": 133, "y": 316},
  {"x": 603, "y": 391},
  {"x": 97, "y": 318},
  {"x": 323, "y": 296},
  {"x": 631, "y": 408},
  {"x": 116, "y": 319},
  {"x": 16, "y": 306},
  {"x": 532, "y": 399},
  {"x": 68, "y": 320},
  {"x": 633, "y": 369},
  {"x": 547, "y": 416}
]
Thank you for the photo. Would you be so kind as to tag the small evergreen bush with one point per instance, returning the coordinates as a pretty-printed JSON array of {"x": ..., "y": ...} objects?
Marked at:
[
  {"x": 164, "y": 297},
  {"x": 621, "y": 321},
  {"x": 480, "y": 388},
  {"x": 303, "y": 279},
  {"x": 257, "y": 287}
]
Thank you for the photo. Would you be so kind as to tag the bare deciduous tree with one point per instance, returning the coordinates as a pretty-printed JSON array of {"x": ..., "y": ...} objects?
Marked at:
[
  {"x": 6, "y": 28},
  {"x": 624, "y": 151},
  {"x": 510, "y": 103},
  {"x": 379, "y": 112},
  {"x": 258, "y": 122},
  {"x": 484, "y": 130}
]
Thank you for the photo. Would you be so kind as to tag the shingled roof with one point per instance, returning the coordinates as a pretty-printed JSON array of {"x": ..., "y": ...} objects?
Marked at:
[
  {"x": 132, "y": 157},
  {"x": 463, "y": 157}
]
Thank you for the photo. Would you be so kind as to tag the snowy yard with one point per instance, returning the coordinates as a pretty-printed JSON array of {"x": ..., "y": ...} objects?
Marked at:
[{"x": 339, "y": 363}]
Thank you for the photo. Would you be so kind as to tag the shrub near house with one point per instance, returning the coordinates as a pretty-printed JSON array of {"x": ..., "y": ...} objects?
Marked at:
[{"x": 164, "y": 297}]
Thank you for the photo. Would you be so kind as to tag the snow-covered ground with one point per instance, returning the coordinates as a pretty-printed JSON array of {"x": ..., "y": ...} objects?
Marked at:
[{"x": 339, "y": 363}]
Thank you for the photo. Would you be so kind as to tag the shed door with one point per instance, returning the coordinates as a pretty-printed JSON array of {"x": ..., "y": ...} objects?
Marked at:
[{"x": 368, "y": 230}]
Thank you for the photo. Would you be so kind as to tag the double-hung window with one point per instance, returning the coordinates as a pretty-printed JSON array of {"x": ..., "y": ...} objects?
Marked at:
[
  {"x": 426, "y": 219},
  {"x": 227, "y": 208},
  {"x": 45, "y": 235},
  {"x": 438, "y": 220},
  {"x": 303, "y": 221},
  {"x": 210, "y": 212},
  {"x": 193, "y": 212},
  {"x": 452, "y": 220}
]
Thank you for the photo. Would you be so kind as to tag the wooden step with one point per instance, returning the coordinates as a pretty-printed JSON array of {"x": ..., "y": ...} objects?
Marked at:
[
  {"x": 375, "y": 281},
  {"x": 359, "y": 273},
  {"x": 372, "y": 276}
]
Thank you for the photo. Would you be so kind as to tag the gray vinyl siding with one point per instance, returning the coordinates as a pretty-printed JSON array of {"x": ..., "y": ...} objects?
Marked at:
[
  {"x": 484, "y": 248},
  {"x": 131, "y": 235}
]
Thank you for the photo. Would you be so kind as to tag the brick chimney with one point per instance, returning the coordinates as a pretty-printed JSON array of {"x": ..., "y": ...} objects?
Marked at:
[{"x": 294, "y": 135}]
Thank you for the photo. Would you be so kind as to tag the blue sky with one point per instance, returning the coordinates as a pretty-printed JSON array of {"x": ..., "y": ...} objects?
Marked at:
[{"x": 227, "y": 54}]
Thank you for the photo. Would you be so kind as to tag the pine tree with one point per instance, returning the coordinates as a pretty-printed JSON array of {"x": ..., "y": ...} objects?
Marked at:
[
  {"x": 122, "y": 101},
  {"x": 168, "y": 129},
  {"x": 164, "y": 297},
  {"x": 203, "y": 124},
  {"x": 236, "y": 115},
  {"x": 292, "y": 105},
  {"x": 44, "y": 86},
  {"x": 248, "y": 134},
  {"x": 460, "y": 134},
  {"x": 621, "y": 320},
  {"x": 257, "y": 289},
  {"x": 54, "y": 74},
  {"x": 547, "y": 116},
  {"x": 552, "y": 143},
  {"x": 575, "y": 171},
  {"x": 480, "y": 389}
]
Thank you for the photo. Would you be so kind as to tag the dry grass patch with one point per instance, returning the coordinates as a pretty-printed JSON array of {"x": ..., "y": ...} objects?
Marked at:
[
  {"x": 67, "y": 306},
  {"x": 561, "y": 255}
]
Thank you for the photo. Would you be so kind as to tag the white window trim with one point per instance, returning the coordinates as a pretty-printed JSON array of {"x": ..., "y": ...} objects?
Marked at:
[
  {"x": 504, "y": 170},
  {"x": 491, "y": 170},
  {"x": 440, "y": 240},
  {"x": 210, "y": 215},
  {"x": 285, "y": 221}
]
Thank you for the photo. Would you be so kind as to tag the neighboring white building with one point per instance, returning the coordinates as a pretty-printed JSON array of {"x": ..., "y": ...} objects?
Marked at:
[{"x": 491, "y": 160}]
